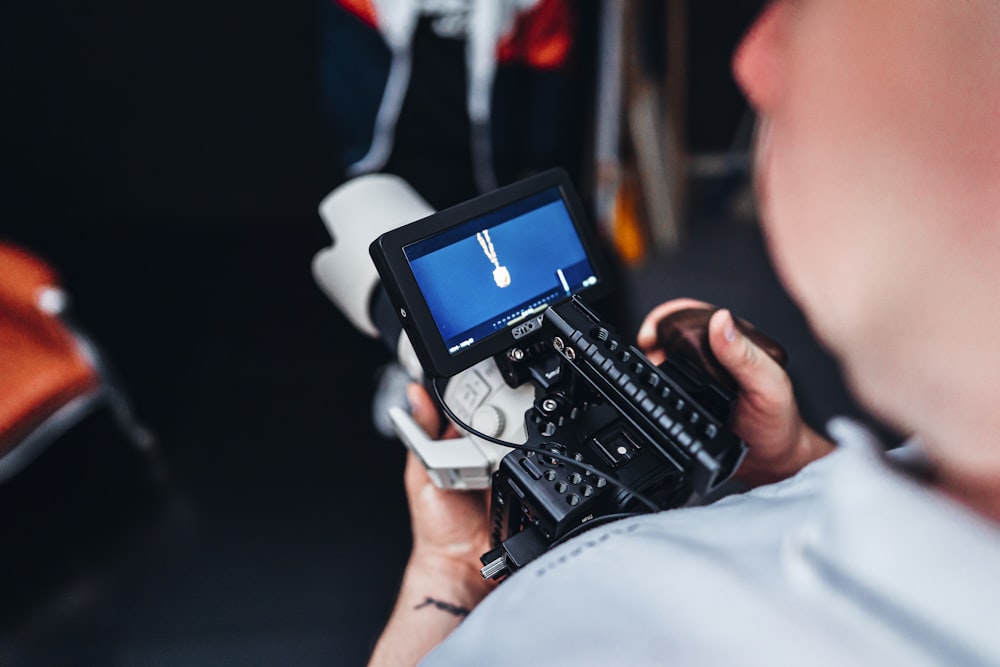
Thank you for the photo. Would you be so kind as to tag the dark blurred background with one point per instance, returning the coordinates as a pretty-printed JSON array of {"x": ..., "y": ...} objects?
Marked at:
[{"x": 167, "y": 160}]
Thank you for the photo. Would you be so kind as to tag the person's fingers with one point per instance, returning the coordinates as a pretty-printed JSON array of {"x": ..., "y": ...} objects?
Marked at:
[
  {"x": 426, "y": 415},
  {"x": 646, "y": 338},
  {"x": 656, "y": 357},
  {"x": 752, "y": 368},
  {"x": 422, "y": 407}
]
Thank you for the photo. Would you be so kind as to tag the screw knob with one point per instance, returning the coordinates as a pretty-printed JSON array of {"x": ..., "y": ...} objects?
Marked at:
[{"x": 490, "y": 420}]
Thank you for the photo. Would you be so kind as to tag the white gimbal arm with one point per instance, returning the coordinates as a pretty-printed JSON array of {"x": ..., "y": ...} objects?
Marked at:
[
  {"x": 479, "y": 397},
  {"x": 355, "y": 214}
]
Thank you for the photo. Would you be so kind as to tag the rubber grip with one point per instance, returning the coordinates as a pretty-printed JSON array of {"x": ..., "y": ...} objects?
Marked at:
[{"x": 684, "y": 334}]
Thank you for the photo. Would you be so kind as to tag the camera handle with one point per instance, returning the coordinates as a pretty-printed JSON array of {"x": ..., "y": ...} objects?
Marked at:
[{"x": 479, "y": 396}]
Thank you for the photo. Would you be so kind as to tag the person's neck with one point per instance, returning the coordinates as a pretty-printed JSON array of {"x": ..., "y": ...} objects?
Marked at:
[
  {"x": 961, "y": 442},
  {"x": 978, "y": 492}
]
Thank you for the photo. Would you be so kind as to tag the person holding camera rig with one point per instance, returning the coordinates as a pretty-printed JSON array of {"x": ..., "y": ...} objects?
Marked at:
[{"x": 878, "y": 173}]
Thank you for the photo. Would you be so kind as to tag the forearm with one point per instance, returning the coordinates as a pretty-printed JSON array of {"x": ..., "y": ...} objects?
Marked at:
[
  {"x": 810, "y": 446},
  {"x": 436, "y": 594}
]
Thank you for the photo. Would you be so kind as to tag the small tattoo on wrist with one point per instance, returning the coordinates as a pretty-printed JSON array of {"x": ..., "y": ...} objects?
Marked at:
[{"x": 447, "y": 607}]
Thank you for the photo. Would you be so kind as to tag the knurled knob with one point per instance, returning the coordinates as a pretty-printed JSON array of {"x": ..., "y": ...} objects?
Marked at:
[{"x": 489, "y": 419}]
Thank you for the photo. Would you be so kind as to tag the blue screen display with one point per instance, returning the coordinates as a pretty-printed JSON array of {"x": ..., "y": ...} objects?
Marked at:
[{"x": 500, "y": 268}]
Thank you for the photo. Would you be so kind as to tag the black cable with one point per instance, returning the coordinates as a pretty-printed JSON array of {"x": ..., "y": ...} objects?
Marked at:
[{"x": 538, "y": 450}]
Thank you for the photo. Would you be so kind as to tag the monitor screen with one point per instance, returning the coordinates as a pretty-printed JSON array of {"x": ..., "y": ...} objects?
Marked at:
[{"x": 500, "y": 268}]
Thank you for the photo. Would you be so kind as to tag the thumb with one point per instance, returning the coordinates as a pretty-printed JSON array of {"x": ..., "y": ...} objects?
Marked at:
[{"x": 752, "y": 368}]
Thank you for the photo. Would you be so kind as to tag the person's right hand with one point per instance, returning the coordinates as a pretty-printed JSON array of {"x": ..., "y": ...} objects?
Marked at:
[
  {"x": 442, "y": 582},
  {"x": 449, "y": 527},
  {"x": 766, "y": 415}
]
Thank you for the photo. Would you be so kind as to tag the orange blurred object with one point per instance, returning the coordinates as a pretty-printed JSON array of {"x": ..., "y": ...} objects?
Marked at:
[{"x": 51, "y": 375}]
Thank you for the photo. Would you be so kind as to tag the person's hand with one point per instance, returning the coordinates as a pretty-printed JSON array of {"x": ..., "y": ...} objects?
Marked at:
[
  {"x": 442, "y": 582},
  {"x": 450, "y": 528},
  {"x": 766, "y": 414}
]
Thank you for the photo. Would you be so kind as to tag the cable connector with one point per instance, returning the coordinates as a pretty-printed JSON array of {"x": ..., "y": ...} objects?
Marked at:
[{"x": 515, "y": 552}]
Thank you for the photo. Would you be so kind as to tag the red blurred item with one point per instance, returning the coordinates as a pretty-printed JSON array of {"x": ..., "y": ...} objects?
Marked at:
[{"x": 541, "y": 37}]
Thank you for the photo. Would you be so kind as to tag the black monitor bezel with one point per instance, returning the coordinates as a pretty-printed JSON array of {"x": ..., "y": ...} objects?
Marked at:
[{"x": 388, "y": 254}]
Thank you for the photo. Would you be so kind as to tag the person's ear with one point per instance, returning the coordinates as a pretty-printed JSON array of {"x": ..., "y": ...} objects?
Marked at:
[{"x": 759, "y": 59}]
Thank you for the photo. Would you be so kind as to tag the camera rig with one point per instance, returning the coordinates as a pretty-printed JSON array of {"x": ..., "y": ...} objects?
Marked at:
[
  {"x": 566, "y": 423},
  {"x": 609, "y": 434}
]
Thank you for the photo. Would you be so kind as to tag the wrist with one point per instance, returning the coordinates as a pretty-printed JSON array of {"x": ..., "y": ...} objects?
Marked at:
[
  {"x": 454, "y": 575},
  {"x": 808, "y": 446},
  {"x": 812, "y": 447},
  {"x": 437, "y": 592}
]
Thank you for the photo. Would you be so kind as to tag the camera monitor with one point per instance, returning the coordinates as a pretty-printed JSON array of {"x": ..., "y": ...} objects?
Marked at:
[{"x": 469, "y": 281}]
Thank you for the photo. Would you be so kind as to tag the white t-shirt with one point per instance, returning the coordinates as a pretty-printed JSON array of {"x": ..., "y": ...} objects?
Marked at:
[{"x": 847, "y": 563}]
